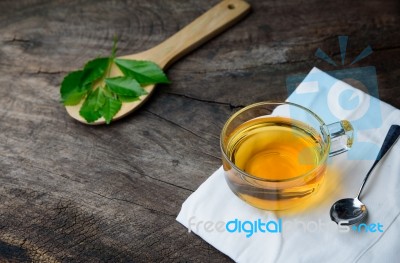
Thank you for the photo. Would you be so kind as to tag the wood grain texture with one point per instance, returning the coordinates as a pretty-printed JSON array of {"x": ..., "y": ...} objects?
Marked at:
[{"x": 76, "y": 193}]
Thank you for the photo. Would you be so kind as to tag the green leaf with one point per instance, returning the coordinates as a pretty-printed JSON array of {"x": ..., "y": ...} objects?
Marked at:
[
  {"x": 125, "y": 86},
  {"x": 94, "y": 102},
  {"x": 72, "y": 92},
  {"x": 94, "y": 70},
  {"x": 99, "y": 98},
  {"x": 114, "y": 48},
  {"x": 110, "y": 108},
  {"x": 145, "y": 72},
  {"x": 128, "y": 98},
  {"x": 77, "y": 83},
  {"x": 103, "y": 96}
]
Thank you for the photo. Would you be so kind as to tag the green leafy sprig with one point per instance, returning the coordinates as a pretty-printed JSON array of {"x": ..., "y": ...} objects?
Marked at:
[{"x": 103, "y": 95}]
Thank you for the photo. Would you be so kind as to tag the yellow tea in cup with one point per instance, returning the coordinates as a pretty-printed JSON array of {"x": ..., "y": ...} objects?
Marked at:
[{"x": 275, "y": 162}]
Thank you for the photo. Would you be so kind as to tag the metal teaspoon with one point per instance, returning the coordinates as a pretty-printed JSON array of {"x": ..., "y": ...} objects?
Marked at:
[{"x": 350, "y": 211}]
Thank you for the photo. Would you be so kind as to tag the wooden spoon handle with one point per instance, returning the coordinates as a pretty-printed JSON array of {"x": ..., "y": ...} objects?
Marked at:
[{"x": 208, "y": 25}]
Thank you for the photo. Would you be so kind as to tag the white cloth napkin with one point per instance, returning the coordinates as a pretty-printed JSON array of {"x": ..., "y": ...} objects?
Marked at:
[{"x": 308, "y": 234}]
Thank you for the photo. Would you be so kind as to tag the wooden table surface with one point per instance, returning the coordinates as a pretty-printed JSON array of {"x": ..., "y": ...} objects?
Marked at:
[{"x": 76, "y": 193}]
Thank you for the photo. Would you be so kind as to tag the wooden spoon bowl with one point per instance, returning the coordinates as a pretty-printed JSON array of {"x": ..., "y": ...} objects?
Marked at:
[{"x": 205, "y": 27}]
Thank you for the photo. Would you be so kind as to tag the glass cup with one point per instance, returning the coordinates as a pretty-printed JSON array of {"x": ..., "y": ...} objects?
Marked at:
[{"x": 275, "y": 154}]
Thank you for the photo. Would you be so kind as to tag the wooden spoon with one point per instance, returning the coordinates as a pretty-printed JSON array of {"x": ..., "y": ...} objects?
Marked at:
[{"x": 208, "y": 25}]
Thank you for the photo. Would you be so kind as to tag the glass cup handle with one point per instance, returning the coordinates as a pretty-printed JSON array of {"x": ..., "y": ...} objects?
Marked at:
[{"x": 342, "y": 135}]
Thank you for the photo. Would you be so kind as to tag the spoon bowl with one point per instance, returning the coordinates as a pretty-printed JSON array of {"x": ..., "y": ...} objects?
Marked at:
[
  {"x": 350, "y": 211},
  {"x": 127, "y": 107},
  {"x": 205, "y": 27}
]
